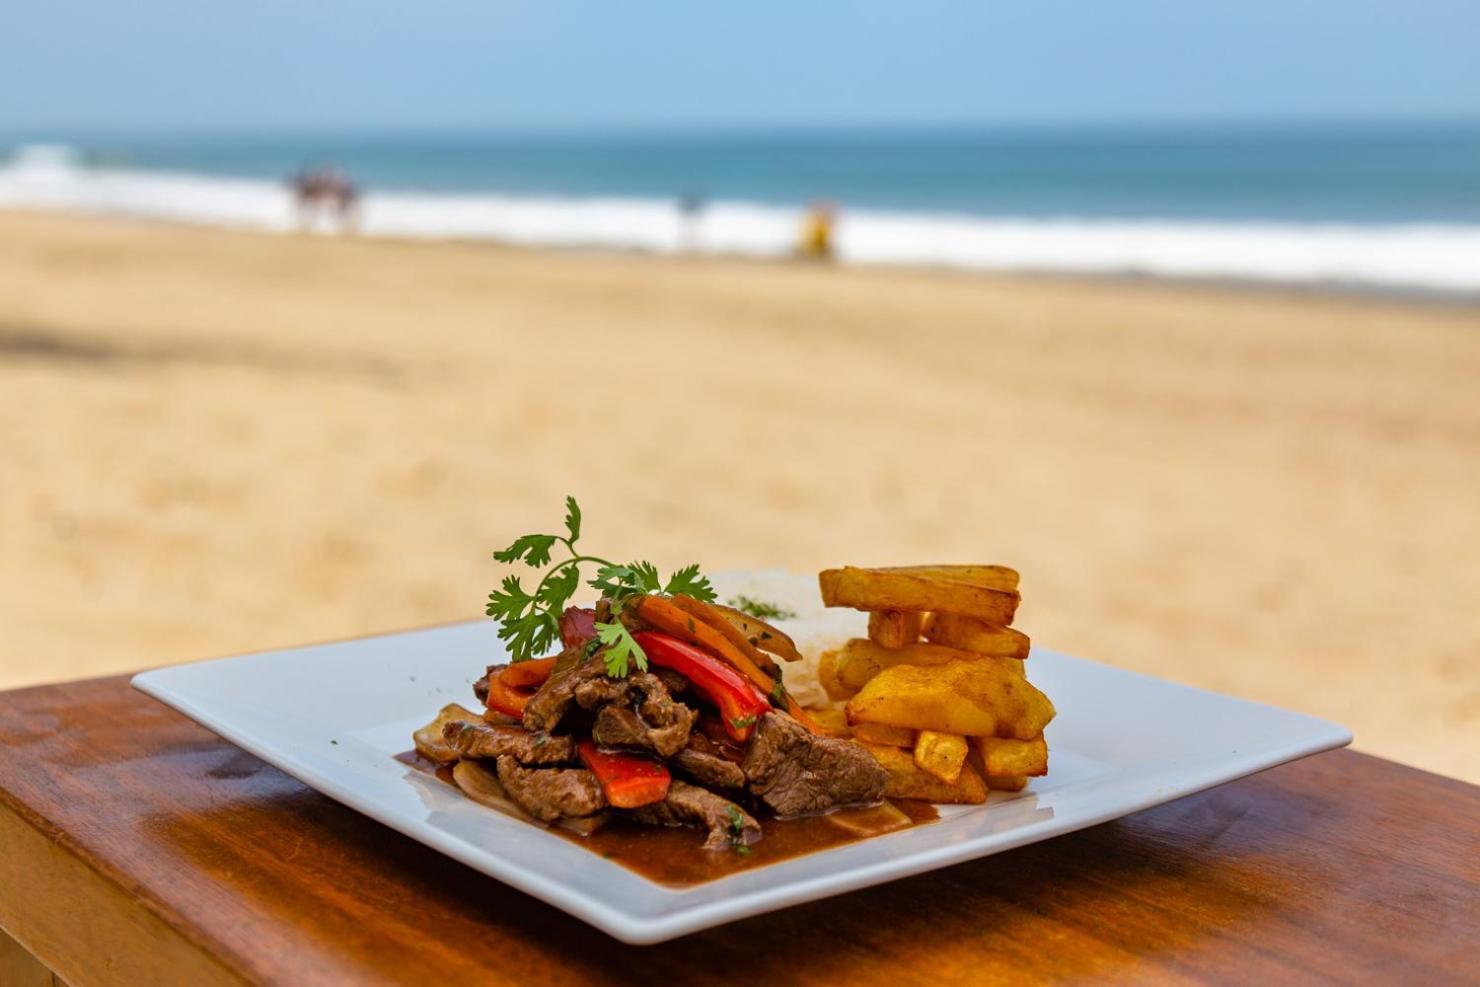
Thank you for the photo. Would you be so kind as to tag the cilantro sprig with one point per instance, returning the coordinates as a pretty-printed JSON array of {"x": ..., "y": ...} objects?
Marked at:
[{"x": 530, "y": 619}]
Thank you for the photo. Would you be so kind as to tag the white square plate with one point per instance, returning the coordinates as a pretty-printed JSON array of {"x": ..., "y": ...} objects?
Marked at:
[{"x": 333, "y": 716}]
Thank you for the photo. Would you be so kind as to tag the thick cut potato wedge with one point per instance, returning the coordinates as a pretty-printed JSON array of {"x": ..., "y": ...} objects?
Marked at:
[
  {"x": 908, "y": 781},
  {"x": 985, "y": 697},
  {"x": 894, "y": 628},
  {"x": 941, "y": 754},
  {"x": 827, "y": 677},
  {"x": 833, "y": 720},
  {"x": 858, "y": 661},
  {"x": 881, "y": 589},
  {"x": 990, "y": 576},
  {"x": 969, "y": 634},
  {"x": 1006, "y": 783},
  {"x": 884, "y": 734},
  {"x": 1003, "y": 756}
]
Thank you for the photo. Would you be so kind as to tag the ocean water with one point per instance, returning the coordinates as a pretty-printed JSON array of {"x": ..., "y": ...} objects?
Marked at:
[{"x": 1392, "y": 208}]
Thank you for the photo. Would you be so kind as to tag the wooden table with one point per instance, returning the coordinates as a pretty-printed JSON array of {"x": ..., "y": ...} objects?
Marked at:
[{"x": 138, "y": 848}]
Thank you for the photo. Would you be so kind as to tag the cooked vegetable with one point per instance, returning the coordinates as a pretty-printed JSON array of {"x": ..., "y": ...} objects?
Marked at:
[
  {"x": 503, "y": 698},
  {"x": 762, "y": 635},
  {"x": 527, "y": 674},
  {"x": 1007, "y": 783},
  {"x": 429, "y": 741},
  {"x": 894, "y": 628},
  {"x": 970, "y": 634},
  {"x": 629, "y": 781},
  {"x": 1005, "y": 756},
  {"x": 709, "y": 615},
  {"x": 577, "y": 626},
  {"x": 908, "y": 781},
  {"x": 833, "y": 721},
  {"x": 883, "y": 589},
  {"x": 739, "y": 703},
  {"x": 980, "y": 698},
  {"x": 883, "y": 733},
  {"x": 482, "y": 786},
  {"x": 827, "y": 677},
  {"x": 529, "y": 621},
  {"x": 667, "y": 617},
  {"x": 860, "y": 659},
  {"x": 941, "y": 754},
  {"x": 990, "y": 576}
]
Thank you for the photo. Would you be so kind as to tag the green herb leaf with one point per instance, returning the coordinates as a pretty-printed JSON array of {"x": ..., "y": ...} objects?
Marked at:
[
  {"x": 530, "y": 620},
  {"x": 760, "y": 609},
  {"x": 689, "y": 582},
  {"x": 573, "y": 519},
  {"x": 622, "y": 651},
  {"x": 741, "y": 722},
  {"x": 534, "y": 550}
]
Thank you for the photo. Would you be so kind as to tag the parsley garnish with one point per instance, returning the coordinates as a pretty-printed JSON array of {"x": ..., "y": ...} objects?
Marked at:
[
  {"x": 761, "y": 610},
  {"x": 741, "y": 722},
  {"x": 530, "y": 619}
]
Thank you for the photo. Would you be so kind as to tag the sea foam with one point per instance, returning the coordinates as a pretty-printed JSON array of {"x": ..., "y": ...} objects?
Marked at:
[{"x": 1437, "y": 257}]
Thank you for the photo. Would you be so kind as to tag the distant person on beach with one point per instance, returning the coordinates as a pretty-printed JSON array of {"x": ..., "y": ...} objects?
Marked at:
[
  {"x": 328, "y": 192},
  {"x": 817, "y": 232},
  {"x": 690, "y": 211}
]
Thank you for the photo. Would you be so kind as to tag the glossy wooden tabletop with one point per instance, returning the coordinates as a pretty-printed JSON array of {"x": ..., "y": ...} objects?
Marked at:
[{"x": 138, "y": 848}]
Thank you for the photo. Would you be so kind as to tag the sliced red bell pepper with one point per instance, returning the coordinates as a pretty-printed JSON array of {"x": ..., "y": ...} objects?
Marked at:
[
  {"x": 741, "y": 705},
  {"x": 630, "y": 781},
  {"x": 506, "y": 699}
]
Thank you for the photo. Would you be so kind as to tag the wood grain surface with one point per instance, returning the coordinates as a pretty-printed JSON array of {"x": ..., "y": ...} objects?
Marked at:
[{"x": 136, "y": 847}]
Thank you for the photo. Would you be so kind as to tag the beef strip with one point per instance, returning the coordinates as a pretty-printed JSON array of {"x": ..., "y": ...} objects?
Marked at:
[
  {"x": 689, "y": 805},
  {"x": 794, "y": 771},
  {"x": 636, "y": 712},
  {"x": 475, "y": 738},
  {"x": 702, "y": 761},
  {"x": 549, "y": 704},
  {"x": 549, "y": 794}
]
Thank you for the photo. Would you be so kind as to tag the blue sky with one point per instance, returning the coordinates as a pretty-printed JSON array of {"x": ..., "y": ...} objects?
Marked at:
[{"x": 68, "y": 67}]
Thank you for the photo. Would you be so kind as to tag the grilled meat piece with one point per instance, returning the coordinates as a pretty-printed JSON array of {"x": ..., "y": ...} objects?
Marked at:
[
  {"x": 475, "y": 738},
  {"x": 550, "y": 703},
  {"x": 689, "y": 805},
  {"x": 549, "y": 794},
  {"x": 794, "y": 771},
  {"x": 636, "y": 712},
  {"x": 702, "y": 761}
]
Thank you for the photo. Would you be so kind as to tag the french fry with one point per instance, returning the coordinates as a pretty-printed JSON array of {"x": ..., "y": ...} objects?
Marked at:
[
  {"x": 908, "y": 781},
  {"x": 985, "y": 697},
  {"x": 827, "y": 677},
  {"x": 884, "y": 735},
  {"x": 894, "y": 628},
  {"x": 1005, "y": 756},
  {"x": 969, "y": 634},
  {"x": 882, "y": 589},
  {"x": 1006, "y": 783},
  {"x": 833, "y": 720},
  {"x": 990, "y": 576},
  {"x": 940, "y": 754},
  {"x": 860, "y": 659}
]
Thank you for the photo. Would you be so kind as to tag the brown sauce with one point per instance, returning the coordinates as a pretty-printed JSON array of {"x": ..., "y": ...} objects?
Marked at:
[{"x": 676, "y": 856}]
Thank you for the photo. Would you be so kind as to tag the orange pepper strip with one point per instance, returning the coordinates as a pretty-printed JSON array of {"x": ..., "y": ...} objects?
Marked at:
[
  {"x": 523, "y": 674},
  {"x": 663, "y": 615},
  {"x": 506, "y": 700},
  {"x": 702, "y": 611}
]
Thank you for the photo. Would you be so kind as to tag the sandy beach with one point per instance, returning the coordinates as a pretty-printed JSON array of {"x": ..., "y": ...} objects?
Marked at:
[{"x": 219, "y": 442}]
